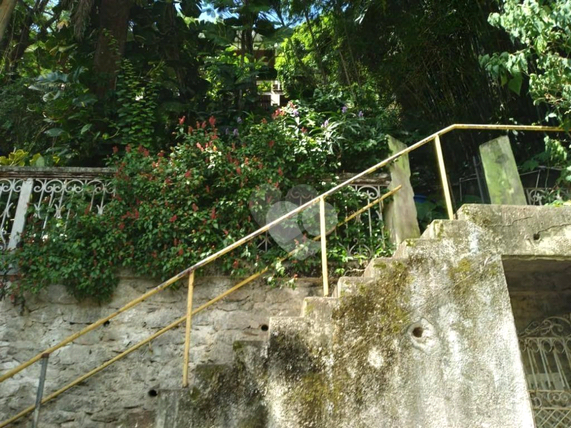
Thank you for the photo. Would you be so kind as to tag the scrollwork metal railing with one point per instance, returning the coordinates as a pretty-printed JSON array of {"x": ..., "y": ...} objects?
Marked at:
[
  {"x": 370, "y": 221},
  {"x": 10, "y": 191},
  {"x": 49, "y": 192}
]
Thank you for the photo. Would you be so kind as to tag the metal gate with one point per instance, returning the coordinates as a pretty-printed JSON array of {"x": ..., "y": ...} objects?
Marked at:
[{"x": 546, "y": 354}]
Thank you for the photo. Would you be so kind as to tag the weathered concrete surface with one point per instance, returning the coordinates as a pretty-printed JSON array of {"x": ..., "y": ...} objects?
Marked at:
[
  {"x": 238, "y": 388},
  {"x": 123, "y": 394},
  {"x": 426, "y": 339},
  {"x": 400, "y": 212},
  {"x": 502, "y": 176}
]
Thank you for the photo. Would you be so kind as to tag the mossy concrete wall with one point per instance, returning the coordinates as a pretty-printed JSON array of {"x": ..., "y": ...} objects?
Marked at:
[
  {"x": 400, "y": 212},
  {"x": 502, "y": 176},
  {"x": 424, "y": 339}
]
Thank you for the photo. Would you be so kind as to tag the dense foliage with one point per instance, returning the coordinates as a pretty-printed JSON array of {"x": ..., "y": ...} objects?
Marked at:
[
  {"x": 174, "y": 208},
  {"x": 55, "y": 76},
  {"x": 172, "y": 101},
  {"x": 200, "y": 68},
  {"x": 541, "y": 30}
]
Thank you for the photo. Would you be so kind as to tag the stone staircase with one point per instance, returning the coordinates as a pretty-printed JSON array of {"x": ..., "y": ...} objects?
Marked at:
[{"x": 425, "y": 338}]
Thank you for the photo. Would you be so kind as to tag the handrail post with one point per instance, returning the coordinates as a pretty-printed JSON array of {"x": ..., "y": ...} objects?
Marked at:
[
  {"x": 188, "y": 328},
  {"x": 444, "y": 178},
  {"x": 323, "y": 231},
  {"x": 40, "y": 392}
]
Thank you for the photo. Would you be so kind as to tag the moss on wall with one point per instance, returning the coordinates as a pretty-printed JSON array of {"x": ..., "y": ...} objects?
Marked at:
[
  {"x": 327, "y": 376},
  {"x": 374, "y": 315},
  {"x": 220, "y": 389}
]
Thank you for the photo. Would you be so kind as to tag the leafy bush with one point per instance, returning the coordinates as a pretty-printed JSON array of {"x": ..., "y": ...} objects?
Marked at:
[
  {"x": 21, "y": 124},
  {"x": 57, "y": 114},
  {"x": 173, "y": 209},
  {"x": 357, "y": 122},
  {"x": 22, "y": 158},
  {"x": 71, "y": 130},
  {"x": 539, "y": 29},
  {"x": 137, "y": 107}
]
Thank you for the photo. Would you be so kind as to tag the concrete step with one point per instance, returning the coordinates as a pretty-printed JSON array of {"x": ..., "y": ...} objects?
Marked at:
[
  {"x": 207, "y": 374},
  {"x": 410, "y": 247},
  {"x": 279, "y": 324},
  {"x": 218, "y": 394},
  {"x": 246, "y": 351},
  {"x": 447, "y": 229},
  {"x": 376, "y": 266},
  {"x": 319, "y": 309},
  {"x": 351, "y": 284}
]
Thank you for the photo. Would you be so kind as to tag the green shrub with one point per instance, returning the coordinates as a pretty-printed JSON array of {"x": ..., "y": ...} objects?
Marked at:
[{"x": 173, "y": 209}]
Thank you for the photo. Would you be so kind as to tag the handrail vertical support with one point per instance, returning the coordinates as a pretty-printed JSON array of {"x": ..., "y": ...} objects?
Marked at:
[
  {"x": 323, "y": 231},
  {"x": 40, "y": 392},
  {"x": 444, "y": 178},
  {"x": 188, "y": 328}
]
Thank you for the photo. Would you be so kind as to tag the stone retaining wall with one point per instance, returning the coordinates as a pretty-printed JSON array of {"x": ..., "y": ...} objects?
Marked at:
[{"x": 124, "y": 395}]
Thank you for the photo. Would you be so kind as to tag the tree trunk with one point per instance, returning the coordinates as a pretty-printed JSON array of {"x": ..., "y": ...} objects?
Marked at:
[
  {"x": 6, "y": 9},
  {"x": 248, "y": 19},
  {"x": 172, "y": 44},
  {"x": 113, "y": 26},
  {"x": 26, "y": 28}
]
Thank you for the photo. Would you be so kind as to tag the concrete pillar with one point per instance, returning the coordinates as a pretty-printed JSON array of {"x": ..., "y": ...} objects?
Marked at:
[
  {"x": 400, "y": 212},
  {"x": 502, "y": 176}
]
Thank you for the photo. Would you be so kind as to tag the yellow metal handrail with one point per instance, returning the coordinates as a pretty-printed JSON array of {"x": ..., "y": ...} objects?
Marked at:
[
  {"x": 191, "y": 270},
  {"x": 174, "y": 324}
]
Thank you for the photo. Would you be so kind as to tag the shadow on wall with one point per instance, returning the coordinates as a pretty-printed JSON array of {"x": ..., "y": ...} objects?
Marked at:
[{"x": 540, "y": 294}]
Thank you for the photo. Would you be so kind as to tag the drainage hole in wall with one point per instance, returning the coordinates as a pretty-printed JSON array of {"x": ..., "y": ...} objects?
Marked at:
[
  {"x": 536, "y": 236},
  {"x": 417, "y": 332},
  {"x": 106, "y": 323},
  {"x": 153, "y": 393},
  {"x": 264, "y": 327}
]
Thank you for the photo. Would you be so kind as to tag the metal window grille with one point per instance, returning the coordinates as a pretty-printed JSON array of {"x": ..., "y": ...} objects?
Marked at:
[{"x": 546, "y": 354}]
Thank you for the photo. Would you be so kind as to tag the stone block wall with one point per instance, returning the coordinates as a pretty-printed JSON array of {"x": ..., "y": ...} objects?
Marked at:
[{"x": 124, "y": 395}]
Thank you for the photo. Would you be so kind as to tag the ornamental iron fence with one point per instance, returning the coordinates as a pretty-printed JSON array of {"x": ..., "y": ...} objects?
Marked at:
[
  {"x": 546, "y": 355},
  {"x": 540, "y": 186},
  {"x": 50, "y": 191}
]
